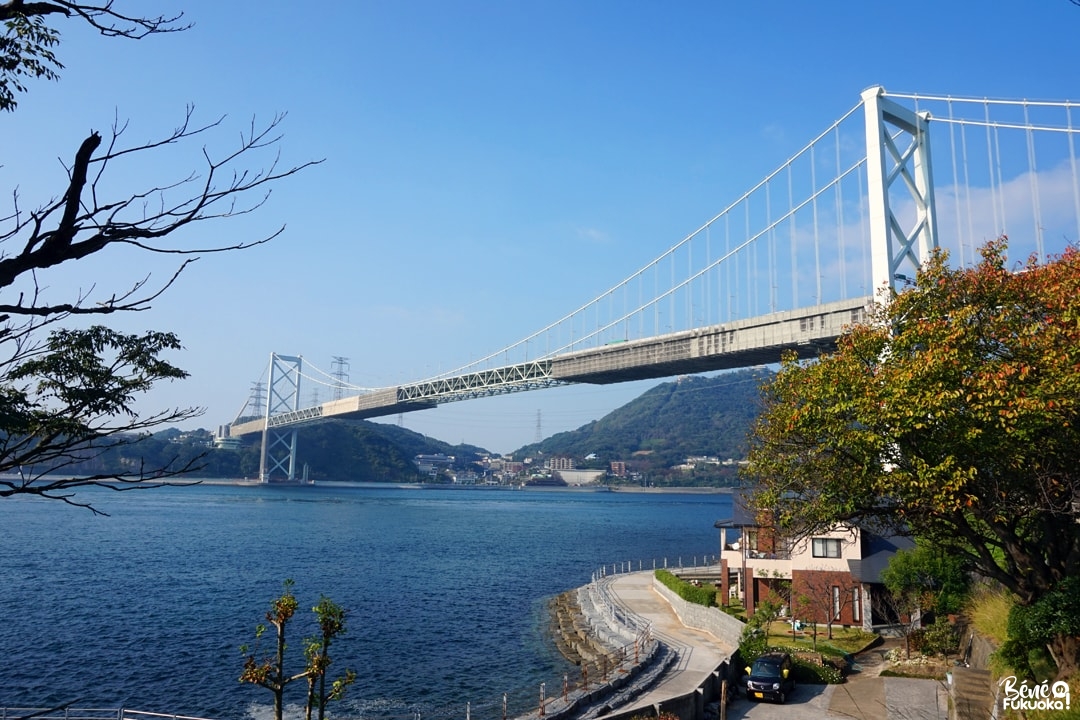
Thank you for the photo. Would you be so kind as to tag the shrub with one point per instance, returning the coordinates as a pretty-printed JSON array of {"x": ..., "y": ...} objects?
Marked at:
[
  {"x": 988, "y": 612},
  {"x": 940, "y": 638},
  {"x": 808, "y": 672},
  {"x": 752, "y": 645},
  {"x": 690, "y": 593}
]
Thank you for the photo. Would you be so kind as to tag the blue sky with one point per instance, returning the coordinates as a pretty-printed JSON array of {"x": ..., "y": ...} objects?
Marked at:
[{"x": 488, "y": 166}]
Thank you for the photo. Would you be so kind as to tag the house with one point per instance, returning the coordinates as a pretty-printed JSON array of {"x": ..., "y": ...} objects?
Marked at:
[{"x": 835, "y": 573}]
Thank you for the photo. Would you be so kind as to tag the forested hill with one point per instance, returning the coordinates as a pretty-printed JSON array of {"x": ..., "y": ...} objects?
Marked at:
[
  {"x": 692, "y": 416},
  {"x": 334, "y": 451}
]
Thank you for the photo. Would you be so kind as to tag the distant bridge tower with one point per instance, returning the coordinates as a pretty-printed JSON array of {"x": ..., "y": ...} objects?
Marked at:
[
  {"x": 897, "y": 156},
  {"x": 278, "y": 457}
]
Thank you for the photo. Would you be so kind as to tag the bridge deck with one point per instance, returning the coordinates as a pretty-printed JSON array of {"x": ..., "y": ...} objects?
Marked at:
[{"x": 743, "y": 343}]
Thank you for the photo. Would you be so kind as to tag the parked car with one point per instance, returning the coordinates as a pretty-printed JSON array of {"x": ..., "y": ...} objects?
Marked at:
[{"x": 770, "y": 677}]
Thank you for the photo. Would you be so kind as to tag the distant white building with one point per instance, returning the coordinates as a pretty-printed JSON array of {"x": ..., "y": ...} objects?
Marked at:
[
  {"x": 579, "y": 477},
  {"x": 432, "y": 464}
]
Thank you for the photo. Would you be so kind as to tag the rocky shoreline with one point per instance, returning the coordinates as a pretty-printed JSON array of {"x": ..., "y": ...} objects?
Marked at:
[{"x": 572, "y": 632}]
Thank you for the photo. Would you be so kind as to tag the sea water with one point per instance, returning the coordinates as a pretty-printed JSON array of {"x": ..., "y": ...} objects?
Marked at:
[{"x": 446, "y": 590}]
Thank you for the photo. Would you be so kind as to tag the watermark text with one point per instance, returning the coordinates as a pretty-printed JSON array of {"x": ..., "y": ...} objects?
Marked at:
[{"x": 1025, "y": 695}]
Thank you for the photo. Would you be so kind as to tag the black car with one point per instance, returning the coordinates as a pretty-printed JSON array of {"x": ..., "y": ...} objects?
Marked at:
[{"x": 770, "y": 677}]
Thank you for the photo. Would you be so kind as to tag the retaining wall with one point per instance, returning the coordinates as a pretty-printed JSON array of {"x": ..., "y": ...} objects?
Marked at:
[{"x": 712, "y": 620}]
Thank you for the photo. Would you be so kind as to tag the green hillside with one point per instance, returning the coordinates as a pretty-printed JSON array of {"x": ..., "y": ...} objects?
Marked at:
[{"x": 690, "y": 417}]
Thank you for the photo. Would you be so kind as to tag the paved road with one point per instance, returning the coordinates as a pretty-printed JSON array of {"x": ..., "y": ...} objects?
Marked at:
[
  {"x": 865, "y": 696},
  {"x": 866, "y": 699}
]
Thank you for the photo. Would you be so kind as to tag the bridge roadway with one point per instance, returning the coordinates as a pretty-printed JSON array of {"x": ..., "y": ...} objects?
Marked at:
[{"x": 744, "y": 343}]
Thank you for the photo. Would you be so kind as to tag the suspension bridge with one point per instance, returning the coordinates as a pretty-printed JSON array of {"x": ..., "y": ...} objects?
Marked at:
[{"x": 785, "y": 267}]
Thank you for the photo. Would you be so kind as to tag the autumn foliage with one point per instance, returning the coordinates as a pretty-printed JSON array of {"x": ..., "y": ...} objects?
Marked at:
[{"x": 952, "y": 415}]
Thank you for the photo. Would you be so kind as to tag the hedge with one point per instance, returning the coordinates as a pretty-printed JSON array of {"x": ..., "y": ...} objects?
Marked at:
[{"x": 690, "y": 593}]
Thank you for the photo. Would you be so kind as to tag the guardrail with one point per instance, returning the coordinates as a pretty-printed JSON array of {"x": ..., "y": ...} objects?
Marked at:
[{"x": 65, "y": 712}]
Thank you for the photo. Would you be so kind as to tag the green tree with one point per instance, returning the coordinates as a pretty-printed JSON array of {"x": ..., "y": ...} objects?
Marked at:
[
  {"x": 766, "y": 611},
  {"x": 331, "y": 619},
  {"x": 269, "y": 671},
  {"x": 1033, "y": 629},
  {"x": 935, "y": 580},
  {"x": 924, "y": 579},
  {"x": 953, "y": 416},
  {"x": 27, "y": 46},
  {"x": 777, "y": 602},
  {"x": 66, "y": 395}
]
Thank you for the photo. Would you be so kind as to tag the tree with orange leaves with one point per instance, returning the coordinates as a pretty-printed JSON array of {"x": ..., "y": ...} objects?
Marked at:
[{"x": 953, "y": 415}]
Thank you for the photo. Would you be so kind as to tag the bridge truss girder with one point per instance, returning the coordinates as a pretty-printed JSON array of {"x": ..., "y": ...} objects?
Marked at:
[
  {"x": 896, "y": 250},
  {"x": 533, "y": 375}
]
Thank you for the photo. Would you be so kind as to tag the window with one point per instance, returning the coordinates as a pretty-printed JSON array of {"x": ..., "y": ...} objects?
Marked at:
[
  {"x": 836, "y": 602},
  {"x": 751, "y": 539},
  {"x": 855, "y": 597},
  {"x": 826, "y": 547}
]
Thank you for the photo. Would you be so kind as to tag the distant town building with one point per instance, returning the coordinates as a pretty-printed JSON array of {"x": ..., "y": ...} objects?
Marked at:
[
  {"x": 618, "y": 468},
  {"x": 579, "y": 477},
  {"x": 560, "y": 463},
  {"x": 227, "y": 443},
  {"x": 432, "y": 464}
]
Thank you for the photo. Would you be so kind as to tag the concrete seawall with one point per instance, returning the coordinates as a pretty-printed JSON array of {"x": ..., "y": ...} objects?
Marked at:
[{"x": 689, "y": 648}]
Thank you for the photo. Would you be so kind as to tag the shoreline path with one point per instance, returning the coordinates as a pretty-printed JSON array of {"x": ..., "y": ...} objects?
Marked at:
[
  {"x": 698, "y": 653},
  {"x": 864, "y": 696}
]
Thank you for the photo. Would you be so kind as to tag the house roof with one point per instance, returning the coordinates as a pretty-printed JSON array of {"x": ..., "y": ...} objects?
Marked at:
[
  {"x": 742, "y": 515},
  {"x": 877, "y": 551}
]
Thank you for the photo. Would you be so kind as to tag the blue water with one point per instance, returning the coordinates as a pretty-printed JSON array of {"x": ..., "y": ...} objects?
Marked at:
[{"x": 446, "y": 589}]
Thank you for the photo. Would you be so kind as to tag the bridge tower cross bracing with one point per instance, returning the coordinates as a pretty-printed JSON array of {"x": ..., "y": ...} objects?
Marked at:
[
  {"x": 897, "y": 154},
  {"x": 278, "y": 455}
]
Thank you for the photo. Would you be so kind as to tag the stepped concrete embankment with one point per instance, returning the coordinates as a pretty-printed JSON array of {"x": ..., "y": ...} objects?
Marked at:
[{"x": 685, "y": 657}]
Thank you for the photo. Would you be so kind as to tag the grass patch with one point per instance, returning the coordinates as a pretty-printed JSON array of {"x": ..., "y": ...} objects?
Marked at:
[
  {"x": 845, "y": 641},
  {"x": 889, "y": 672},
  {"x": 734, "y": 608},
  {"x": 988, "y": 612}
]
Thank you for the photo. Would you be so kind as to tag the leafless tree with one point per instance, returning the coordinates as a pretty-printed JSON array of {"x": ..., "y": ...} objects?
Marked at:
[
  {"x": 904, "y": 610},
  {"x": 821, "y": 598},
  {"x": 69, "y": 396}
]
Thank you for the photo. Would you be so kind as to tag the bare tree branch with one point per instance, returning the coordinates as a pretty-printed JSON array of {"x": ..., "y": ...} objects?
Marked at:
[
  {"x": 67, "y": 400},
  {"x": 102, "y": 17},
  {"x": 82, "y": 222}
]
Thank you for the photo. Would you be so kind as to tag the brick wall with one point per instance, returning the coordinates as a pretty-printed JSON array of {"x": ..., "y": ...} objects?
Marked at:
[{"x": 818, "y": 587}]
